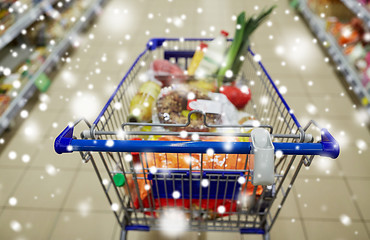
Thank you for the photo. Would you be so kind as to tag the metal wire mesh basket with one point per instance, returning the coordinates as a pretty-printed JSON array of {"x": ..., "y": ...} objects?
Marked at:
[{"x": 245, "y": 193}]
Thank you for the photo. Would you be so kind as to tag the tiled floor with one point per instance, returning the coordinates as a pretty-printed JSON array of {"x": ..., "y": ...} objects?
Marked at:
[{"x": 58, "y": 197}]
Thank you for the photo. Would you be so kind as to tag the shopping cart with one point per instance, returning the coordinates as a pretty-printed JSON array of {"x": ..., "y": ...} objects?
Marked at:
[{"x": 244, "y": 199}]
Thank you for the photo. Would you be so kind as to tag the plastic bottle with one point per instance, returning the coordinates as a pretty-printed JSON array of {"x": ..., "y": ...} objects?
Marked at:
[
  {"x": 197, "y": 58},
  {"x": 213, "y": 56},
  {"x": 142, "y": 103}
]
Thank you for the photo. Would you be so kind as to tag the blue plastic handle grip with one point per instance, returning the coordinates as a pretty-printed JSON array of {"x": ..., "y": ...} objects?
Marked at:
[{"x": 64, "y": 143}]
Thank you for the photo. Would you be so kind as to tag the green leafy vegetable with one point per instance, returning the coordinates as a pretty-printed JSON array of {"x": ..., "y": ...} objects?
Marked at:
[{"x": 239, "y": 47}]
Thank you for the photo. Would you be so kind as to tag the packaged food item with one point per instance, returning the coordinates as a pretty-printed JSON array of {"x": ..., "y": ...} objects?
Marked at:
[
  {"x": 166, "y": 72},
  {"x": 348, "y": 35},
  {"x": 238, "y": 97},
  {"x": 181, "y": 161},
  {"x": 331, "y": 8},
  {"x": 172, "y": 108},
  {"x": 330, "y": 23},
  {"x": 4, "y": 103},
  {"x": 366, "y": 77},
  {"x": 213, "y": 56},
  {"x": 197, "y": 58},
  {"x": 203, "y": 84},
  {"x": 142, "y": 103}
]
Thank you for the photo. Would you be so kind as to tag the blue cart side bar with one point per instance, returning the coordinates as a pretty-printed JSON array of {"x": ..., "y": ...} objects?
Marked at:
[
  {"x": 252, "y": 231},
  {"x": 137, "y": 228}
]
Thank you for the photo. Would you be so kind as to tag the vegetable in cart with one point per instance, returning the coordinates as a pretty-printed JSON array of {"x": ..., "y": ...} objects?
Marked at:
[{"x": 239, "y": 47}]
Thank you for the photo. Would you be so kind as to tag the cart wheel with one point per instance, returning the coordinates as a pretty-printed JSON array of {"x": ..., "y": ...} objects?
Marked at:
[{"x": 123, "y": 235}]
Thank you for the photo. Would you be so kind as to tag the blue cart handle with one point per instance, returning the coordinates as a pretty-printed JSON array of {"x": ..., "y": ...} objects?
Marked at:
[{"x": 65, "y": 143}]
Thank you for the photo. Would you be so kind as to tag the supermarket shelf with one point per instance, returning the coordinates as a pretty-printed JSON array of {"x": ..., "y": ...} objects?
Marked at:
[
  {"x": 29, "y": 89},
  {"x": 8, "y": 61},
  {"x": 23, "y": 22},
  {"x": 359, "y": 10},
  {"x": 329, "y": 42}
]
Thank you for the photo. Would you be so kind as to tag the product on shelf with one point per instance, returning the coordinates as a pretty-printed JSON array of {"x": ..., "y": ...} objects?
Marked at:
[
  {"x": 13, "y": 83},
  {"x": 4, "y": 102},
  {"x": 38, "y": 38},
  {"x": 355, "y": 53},
  {"x": 58, "y": 22},
  {"x": 12, "y": 10},
  {"x": 6, "y": 18},
  {"x": 365, "y": 3},
  {"x": 327, "y": 8},
  {"x": 352, "y": 37}
]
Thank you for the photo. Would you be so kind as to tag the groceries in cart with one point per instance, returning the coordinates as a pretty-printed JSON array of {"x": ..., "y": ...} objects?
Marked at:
[
  {"x": 210, "y": 84},
  {"x": 162, "y": 165}
]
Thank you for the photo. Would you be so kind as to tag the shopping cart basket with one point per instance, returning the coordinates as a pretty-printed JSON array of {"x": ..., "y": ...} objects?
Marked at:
[{"x": 139, "y": 192}]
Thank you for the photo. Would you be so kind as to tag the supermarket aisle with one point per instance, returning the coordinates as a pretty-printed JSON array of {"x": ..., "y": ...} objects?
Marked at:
[{"x": 58, "y": 197}]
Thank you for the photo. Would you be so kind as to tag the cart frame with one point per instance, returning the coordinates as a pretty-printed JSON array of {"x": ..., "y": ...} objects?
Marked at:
[{"x": 106, "y": 144}]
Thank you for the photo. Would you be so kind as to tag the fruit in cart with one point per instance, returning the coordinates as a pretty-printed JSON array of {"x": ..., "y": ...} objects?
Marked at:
[
  {"x": 166, "y": 72},
  {"x": 239, "y": 46},
  {"x": 236, "y": 96},
  {"x": 142, "y": 103}
]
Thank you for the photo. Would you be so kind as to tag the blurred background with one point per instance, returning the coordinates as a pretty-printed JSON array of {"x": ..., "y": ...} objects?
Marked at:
[{"x": 61, "y": 60}]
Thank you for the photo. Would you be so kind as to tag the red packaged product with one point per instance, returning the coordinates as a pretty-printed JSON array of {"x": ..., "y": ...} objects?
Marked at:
[
  {"x": 161, "y": 161},
  {"x": 167, "y": 72}
]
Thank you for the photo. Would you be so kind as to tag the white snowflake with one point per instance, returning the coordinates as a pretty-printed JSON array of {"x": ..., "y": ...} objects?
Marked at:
[
  {"x": 13, "y": 201},
  {"x": 15, "y": 226},
  {"x": 173, "y": 223}
]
